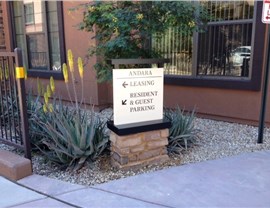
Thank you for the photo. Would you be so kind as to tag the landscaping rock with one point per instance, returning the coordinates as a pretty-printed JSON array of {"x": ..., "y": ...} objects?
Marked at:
[{"x": 216, "y": 139}]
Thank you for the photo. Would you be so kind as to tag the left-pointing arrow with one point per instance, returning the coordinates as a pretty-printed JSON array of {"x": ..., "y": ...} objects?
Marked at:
[
  {"x": 124, "y": 84},
  {"x": 124, "y": 102}
]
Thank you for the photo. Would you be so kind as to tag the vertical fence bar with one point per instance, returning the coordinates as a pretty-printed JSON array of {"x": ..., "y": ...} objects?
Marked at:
[
  {"x": 5, "y": 106},
  {"x": 2, "y": 120},
  {"x": 22, "y": 101}
]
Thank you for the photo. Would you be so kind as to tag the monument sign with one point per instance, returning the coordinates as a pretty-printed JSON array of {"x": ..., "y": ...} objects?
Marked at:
[{"x": 137, "y": 95}]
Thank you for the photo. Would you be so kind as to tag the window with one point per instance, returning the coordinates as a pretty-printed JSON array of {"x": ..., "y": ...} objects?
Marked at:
[
  {"x": 38, "y": 31},
  {"x": 178, "y": 47},
  {"x": 221, "y": 47},
  {"x": 224, "y": 55},
  {"x": 29, "y": 13}
]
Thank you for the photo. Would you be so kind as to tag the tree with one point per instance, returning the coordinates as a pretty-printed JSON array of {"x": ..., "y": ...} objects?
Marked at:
[{"x": 125, "y": 29}]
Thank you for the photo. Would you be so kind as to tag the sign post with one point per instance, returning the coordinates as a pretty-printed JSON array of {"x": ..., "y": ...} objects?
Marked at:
[{"x": 266, "y": 20}]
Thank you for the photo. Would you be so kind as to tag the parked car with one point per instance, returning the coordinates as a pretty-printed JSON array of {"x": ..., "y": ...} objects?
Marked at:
[{"x": 239, "y": 54}]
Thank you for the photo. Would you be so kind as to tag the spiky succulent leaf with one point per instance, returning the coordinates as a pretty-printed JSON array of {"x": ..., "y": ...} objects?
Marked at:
[
  {"x": 182, "y": 133},
  {"x": 73, "y": 138}
]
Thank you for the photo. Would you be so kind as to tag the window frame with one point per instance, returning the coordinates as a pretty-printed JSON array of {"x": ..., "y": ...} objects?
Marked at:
[
  {"x": 239, "y": 83},
  {"x": 33, "y": 20},
  {"x": 46, "y": 74}
]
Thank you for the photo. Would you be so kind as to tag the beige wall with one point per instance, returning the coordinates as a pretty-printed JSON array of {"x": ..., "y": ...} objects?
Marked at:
[
  {"x": 230, "y": 105},
  {"x": 79, "y": 42}
]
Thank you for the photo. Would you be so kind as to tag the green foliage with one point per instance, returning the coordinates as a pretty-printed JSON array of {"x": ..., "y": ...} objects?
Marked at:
[
  {"x": 182, "y": 134},
  {"x": 125, "y": 28}
]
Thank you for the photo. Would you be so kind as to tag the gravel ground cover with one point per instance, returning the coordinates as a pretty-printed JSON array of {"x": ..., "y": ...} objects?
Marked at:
[{"x": 216, "y": 139}]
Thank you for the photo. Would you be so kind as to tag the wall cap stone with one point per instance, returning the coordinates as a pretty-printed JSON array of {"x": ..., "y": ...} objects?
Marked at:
[{"x": 13, "y": 166}]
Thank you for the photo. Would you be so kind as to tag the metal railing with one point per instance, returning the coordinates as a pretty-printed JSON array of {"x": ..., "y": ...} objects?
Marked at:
[{"x": 14, "y": 128}]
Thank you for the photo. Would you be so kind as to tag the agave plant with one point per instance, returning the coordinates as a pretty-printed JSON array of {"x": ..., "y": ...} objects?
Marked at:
[
  {"x": 35, "y": 113},
  {"x": 182, "y": 134},
  {"x": 71, "y": 138},
  {"x": 69, "y": 135}
]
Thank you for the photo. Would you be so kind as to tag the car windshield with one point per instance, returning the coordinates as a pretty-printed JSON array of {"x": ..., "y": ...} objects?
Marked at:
[{"x": 242, "y": 50}]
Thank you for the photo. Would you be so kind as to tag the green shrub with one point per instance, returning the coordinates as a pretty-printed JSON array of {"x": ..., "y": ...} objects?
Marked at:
[
  {"x": 125, "y": 29},
  {"x": 182, "y": 134}
]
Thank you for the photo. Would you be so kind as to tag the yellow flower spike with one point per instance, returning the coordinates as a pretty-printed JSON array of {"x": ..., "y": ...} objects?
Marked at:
[
  {"x": 45, "y": 108},
  {"x": 46, "y": 98},
  {"x": 49, "y": 92},
  {"x": 80, "y": 66},
  {"x": 39, "y": 87},
  {"x": 52, "y": 84},
  {"x": 65, "y": 73},
  {"x": 50, "y": 106},
  {"x": 70, "y": 61},
  {"x": 42, "y": 89}
]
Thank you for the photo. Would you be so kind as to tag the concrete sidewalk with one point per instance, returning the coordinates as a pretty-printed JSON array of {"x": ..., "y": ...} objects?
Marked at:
[{"x": 239, "y": 181}]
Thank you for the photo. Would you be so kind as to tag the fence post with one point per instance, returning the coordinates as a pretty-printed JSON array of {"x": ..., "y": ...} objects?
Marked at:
[{"x": 20, "y": 75}]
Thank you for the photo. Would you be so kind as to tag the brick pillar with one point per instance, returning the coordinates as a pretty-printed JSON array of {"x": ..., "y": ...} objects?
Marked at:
[
  {"x": 137, "y": 150},
  {"x": 2, "y": 33}
]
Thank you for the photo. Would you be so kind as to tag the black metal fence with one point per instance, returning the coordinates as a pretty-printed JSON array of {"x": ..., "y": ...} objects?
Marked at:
[{"x": 13, "y": 111}]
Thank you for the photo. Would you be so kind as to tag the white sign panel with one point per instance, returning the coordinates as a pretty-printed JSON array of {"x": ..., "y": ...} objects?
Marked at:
[
  {"x": 137, "y": 95},
  {"x": 266, "y": 12}
]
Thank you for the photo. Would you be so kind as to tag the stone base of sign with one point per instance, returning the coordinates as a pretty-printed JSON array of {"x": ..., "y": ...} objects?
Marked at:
[{"x": 134, "y": 151}]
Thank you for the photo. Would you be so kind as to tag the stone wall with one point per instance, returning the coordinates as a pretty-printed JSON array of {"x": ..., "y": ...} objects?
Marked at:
[{"x": 141, "y": 149}]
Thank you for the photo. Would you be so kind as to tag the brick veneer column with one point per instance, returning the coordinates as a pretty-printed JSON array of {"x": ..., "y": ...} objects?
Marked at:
[
  {"x": 2, "y": 33},
  {"x": 140, "y": 149}
]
